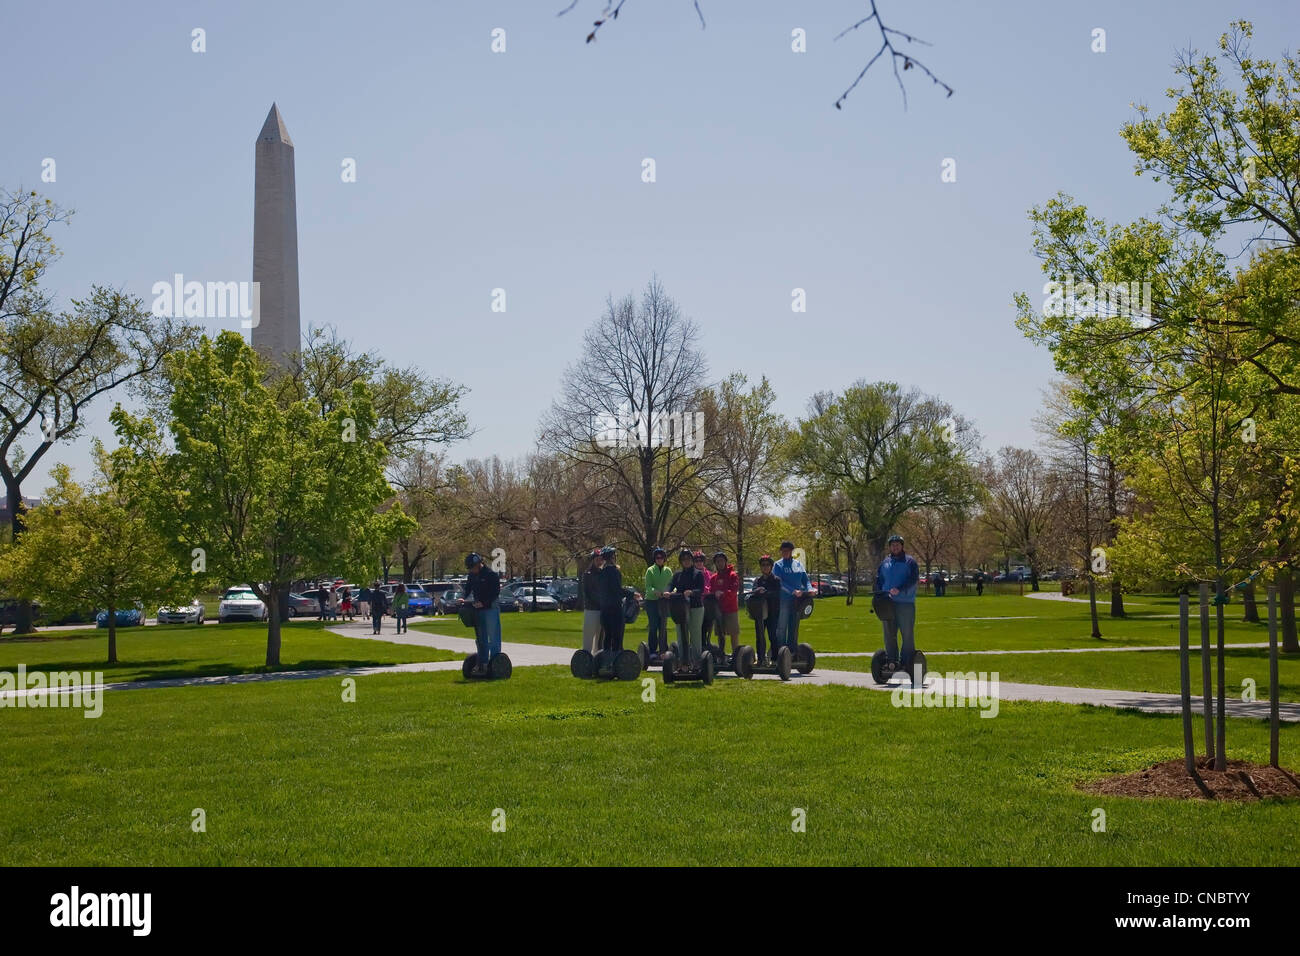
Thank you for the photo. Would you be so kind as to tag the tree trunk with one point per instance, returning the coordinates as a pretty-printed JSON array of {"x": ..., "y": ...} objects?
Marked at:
[
  {"x": 740, "y": 542},
  {"x": 1116, "y": 597},
  {"x": 273, "y": 626},
  {"x": 1092, "y": 604},
  {"x": 112, "y": 635},
  {"x": 1248, "y": 602},
  {"x": 23, "y": 623},
  {"x": 1286, "y": 598}
]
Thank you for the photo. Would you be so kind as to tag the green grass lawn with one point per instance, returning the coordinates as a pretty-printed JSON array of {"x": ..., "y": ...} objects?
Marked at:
[
  {"x": 586, "y": 772},
  {"x": 176, "y": 650},
  {"x": 943, "y": 624},
  {"x": 1139, "y": 671}
]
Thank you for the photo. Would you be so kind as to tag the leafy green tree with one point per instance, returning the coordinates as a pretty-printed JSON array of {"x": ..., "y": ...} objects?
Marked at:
[
  {"x": 887, "y": 450},
  {"x": 256, "y": 490},
  {"x": 54, "y": 364},
  {"x": 747, "y": 450},
  {"x": 94, "y": 547}
]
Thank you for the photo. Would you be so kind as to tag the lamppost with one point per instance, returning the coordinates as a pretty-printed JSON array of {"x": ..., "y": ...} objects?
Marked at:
[
  {"x": 533, "y": 586},
  {"x": 817, "y": 546}
]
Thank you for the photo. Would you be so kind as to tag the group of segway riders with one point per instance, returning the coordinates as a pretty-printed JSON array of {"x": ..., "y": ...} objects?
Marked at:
[{"x": 701, "y": 602}]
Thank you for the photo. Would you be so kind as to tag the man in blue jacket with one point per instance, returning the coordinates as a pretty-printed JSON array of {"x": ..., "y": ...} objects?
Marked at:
[
  {"x": 794, "y": 584},
  {"x": 483, "y": 588},
  {"x": 897, "y": 576}
]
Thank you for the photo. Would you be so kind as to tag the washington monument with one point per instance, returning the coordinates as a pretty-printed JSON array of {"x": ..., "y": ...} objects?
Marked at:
[{"x": 275, "y": 243}]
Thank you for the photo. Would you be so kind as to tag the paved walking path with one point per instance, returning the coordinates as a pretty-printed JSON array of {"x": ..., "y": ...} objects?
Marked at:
[
  {"x": 533, "y": 655},
  {"x": 1040, "y": 650}
]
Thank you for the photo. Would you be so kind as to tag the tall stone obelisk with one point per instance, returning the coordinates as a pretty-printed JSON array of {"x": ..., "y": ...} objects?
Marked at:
[{"x": 275, "y": 243}]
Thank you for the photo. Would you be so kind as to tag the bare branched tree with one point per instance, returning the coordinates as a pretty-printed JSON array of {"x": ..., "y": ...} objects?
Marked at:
[
  {"x": 887, "y": 39},
  {"x": 626, "y": 414}
]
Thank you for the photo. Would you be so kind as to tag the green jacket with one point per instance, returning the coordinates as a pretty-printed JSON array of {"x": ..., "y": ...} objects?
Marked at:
[
  {"x": 401, "y": 600},
  {"x": 657, "y": 581}
]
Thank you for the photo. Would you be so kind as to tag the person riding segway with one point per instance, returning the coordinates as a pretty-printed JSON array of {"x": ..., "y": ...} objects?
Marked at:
[
  {"x": 482, "y": 612},
  {"x": 724, "y": 586},
  {"x": 658, "y": 580},
  {"x": 894, "y": 602},
  {"x": 611, "y": 660},
  {"x": 796, "y": 602},
  {"x": 688, "y": 659},
  {"x": 583, "y": 662},
  {"x": 764, "y": 606}
]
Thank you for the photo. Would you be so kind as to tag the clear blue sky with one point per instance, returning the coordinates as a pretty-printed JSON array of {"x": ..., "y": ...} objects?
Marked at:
[{"x": 522, "y": 171}]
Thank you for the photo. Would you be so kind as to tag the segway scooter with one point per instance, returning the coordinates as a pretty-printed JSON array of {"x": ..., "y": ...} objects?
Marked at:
[
  {"x": 499, "y": 667},
  {"x": 883, "y": 667},
  {"x": 606, "y": 665},
  {"x": 782, "y": 662},
  {"x": 648, "y": 659},
  {"x": 680, "y": 664},
  {"x": 712, "y": 620}
]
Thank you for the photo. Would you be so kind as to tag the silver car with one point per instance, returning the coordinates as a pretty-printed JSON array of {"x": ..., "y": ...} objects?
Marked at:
[{"x": 191, "y": 613}]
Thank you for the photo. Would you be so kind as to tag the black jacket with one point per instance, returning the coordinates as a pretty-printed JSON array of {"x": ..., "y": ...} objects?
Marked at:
[
  {"x": 610, "y": 587},
  {"x": 771, "y": 586},
  {"x": 590, "y": 589},
  {"x": 690, "y": 580},
  {"x": 483, "y": 587}
]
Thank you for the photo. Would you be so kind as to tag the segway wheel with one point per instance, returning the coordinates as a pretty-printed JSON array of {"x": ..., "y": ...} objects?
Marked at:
[
  {"x": 880, "y": 667},
  {"x": 783, "y": 663},
  {"x": 627, "y": 665},
  {"x": 669, "y": 661},
  {"x": 582, "y": 665},
  {"x": 746, "y": 657},
  {"x": 706, "y": 668},
  {"x": 467, "y": 668},
  {"x": 601, "y": 666},
  {"x": 643, "y": 653},
  {"x": 806, "y": 660},
  {"x": 918, "y": 669},
  {"x": 500, "y": 667}
]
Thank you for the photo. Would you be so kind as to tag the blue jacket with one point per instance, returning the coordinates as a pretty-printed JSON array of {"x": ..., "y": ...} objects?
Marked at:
[
  {"x": 792, "y": 576},
  {"x": 901, "y": 573}
]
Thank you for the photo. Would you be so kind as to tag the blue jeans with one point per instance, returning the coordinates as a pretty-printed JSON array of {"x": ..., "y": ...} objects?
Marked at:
[
  {"x": 488, "y": 636},
  {"x": 657, "y": 632},
  {"x": 787, "y": 627},
  {"x": 905, "y": 621}
]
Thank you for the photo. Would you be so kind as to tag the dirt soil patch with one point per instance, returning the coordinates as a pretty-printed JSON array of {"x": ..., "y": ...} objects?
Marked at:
[{"x": 1241, "y": 781}]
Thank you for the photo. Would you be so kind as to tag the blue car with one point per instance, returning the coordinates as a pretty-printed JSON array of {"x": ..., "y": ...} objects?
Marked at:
[
  {"x": 419, "y": 601},
  {"x": 126, "y": 617}
]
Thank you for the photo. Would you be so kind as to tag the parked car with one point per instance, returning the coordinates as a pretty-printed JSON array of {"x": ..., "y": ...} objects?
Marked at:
[
  {"x": 191, "y": 613},
  {"x": 419, "y": 601},
  {"x": 9, "y": 612},
  {"x": 240, "y": 604},
  {"x": 446, "y": 598},
  {"x": 567, "y": 592},
  {"x": 303, "y": 605},
  {"x": 126, "y": 617},
  {"x": 533, "y": 598}
]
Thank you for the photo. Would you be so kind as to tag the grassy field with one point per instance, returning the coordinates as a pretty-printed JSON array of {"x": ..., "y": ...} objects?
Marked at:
[
  {"x": 412, "y": 772},
  {"x": 175, "y": 650},
  {"x": 953, "y": 623}
]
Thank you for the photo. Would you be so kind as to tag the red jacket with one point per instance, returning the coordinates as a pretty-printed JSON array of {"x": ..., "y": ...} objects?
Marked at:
[{"x": 726, "y": 585}]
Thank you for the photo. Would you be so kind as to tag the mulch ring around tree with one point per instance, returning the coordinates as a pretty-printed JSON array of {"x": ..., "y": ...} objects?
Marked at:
[{"x": 1241, "y": 781}]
